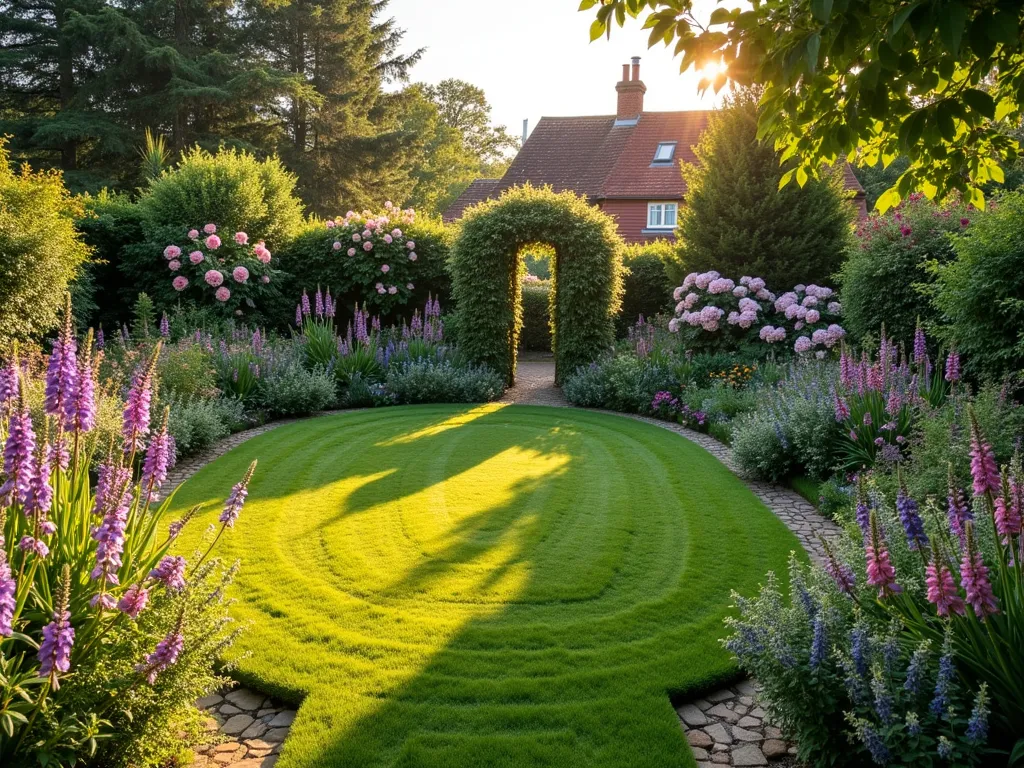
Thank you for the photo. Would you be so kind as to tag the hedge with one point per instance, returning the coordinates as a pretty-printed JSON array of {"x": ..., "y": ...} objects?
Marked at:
[
  {"x": 648, "y": 287},
  {"x": 536, "y": 333},
  {"x": 587, "y": 280}
]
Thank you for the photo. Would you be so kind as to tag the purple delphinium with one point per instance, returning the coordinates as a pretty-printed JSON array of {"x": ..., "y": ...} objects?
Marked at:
[
  {"x": 879, "y": 752},
  {"x": 80, "y": 411},
  {"x": 977, "y": 726},
  {"x": 913, "y": 526},
  {"x": 165, "y": 326},
  {"x": 920, "y": 345},
  {"x": 860, "y": 650},
  {"x": 330, "y": 308},
  {"x": 135, "y": 425},
  {"x": 58, "y": 636},
  {"x": 841, "y": 573},
  {"x": 305, "y": 303},
  {"x": 170, "y": 572},
  {"x": 134, "y": 600},
  {"x": 236, "y": 499},
  {"x": 19, "y": 460},
  {"x": 100, "y": 341},
  {"x": 165, "y": 655},
  {"x": 818, "y": 646},
  {"x": 917, "y": 669},
  {"x": 883, "y": 701},
  {"x": 110, "y": 534},
  {"x": 40, "y": 498},
  {"x": 159, "y": 458},
  {"x": 953, "y": 366},
  {"x": 940, "y": 699}
]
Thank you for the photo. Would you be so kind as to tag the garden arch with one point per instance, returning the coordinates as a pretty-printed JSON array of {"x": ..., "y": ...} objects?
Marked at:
[{"x": 586, "y": 276}]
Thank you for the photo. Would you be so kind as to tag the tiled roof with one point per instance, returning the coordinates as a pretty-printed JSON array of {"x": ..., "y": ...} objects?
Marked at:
[
  {"x": 593, "y": 156},
  {"x": 476, "y": 192}
]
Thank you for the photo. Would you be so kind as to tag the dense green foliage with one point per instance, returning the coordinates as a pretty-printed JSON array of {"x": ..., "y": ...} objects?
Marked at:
[
  {"x": 40, "y": 250},
  {"x": 536, "y": 333},
  {"x": 736, "y": 219},
  {"x": 580, "y": 570},
  {"x": 981, "y": 292},
  {"x": 829, "y": 72},
  {"x": 885, "y": 278},
  {"x": 425, "y": 380},
  {"x": 647, "y": 285},
  {"x": 485, "y": 264}
]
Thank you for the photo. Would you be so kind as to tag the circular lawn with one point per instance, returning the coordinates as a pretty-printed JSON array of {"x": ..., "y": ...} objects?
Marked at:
[{"x": 453, "y": 586}]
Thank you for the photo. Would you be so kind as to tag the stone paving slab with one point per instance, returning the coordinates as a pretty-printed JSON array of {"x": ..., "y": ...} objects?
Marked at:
[{"x": 247, "y": 730}]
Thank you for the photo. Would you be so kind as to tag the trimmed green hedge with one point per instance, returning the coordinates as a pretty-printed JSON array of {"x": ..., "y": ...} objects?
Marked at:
[
  {"x": 587, "y": 279},
  {"x": 648, "y": 288},
  {"x": 536, "y": 333}
]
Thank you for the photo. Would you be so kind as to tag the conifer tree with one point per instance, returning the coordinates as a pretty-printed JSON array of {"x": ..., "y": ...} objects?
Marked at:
[{"x": 736, "y": 219}]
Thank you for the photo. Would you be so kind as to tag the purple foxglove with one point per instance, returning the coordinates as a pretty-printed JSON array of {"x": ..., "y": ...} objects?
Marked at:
[
  {"x": 165, "y": 326},
  {"x": 40, "y": 498},
  {"x": 975, "y": 580},
  {"x": 19, "y": 459},
  {"x": 110, "y": 533},
  {"x": 941, "y": 588},
  {"x": 134, "y": 600},
  {"x": 305, "y": 304},
  {"x": 170, "y": 572},
  {"x": 135, "y": 426},
  {"x": 984, "y": 470},
  {"x": 236, "y": 499},
  {"x": 953, "y": 366},
  {"x": 80, "y": 411},
  {"x": 957, "y": 508},
  {"x": 298, "y": 315},
  {"x": 920, "y": 345},
  {"x": 8, "y": 588},
  {"x": 58, "y": 636},
  {"x": 165, "y": 655},
  {"x": 159, "y": 458},
  {"x": 881, "y": 574},
  {"x": 62, "y": 370},
  {"x": 319, "y": 303}
]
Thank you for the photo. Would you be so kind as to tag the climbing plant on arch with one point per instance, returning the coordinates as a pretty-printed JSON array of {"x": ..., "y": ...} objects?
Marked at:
[{"x": 586, "y": 276}]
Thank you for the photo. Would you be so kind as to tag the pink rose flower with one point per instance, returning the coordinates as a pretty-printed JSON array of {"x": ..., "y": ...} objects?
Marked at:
[
  {"x": 193, "y": 234},
  {"x": 265, "y": 279},
  {"x": 385, "y": 268},
  {"x": 330, "y": 224},
  {"x": 392, "y": 290},
  {"x": 410, "y": 245},
  {"x": 388, "y": 239},
  {"x": 262, "y": 253},
  {"x": 196, "y": 257},
  {"x": 241, "y": 274},
  {"x": 412, "y": 256},
  {"x": 174, "y": 265},
  {"x": 367, "y": 233},
  {"x": 351, "y": 251},
  {"x": 213, "y": 278},
  {"x": 223, "y": 294},
  {"x": 210, "y": 229},
  {"x": 213, "y": 242},
  {"x": 396, "y": 233},
  {"x": 172, "y": 252},
  {"x": 367, "y": 246},
  {"x": 356, "y": 237},
  {"x": 180, "y": 283},
  {"x": 241, "y": 238},
  {"x": 336, "y": 246}
]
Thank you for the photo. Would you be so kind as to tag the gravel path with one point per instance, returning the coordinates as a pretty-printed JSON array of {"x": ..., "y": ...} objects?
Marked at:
[{"x": 724, "y": 727}]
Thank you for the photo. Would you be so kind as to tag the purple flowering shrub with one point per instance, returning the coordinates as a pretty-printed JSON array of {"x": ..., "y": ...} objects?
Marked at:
[
  {"x": 96, "y": 614},
  {"x": 230, "y": 272},
  {"x": 666, "y": 406},
  {"x": 714, "y": 312}
]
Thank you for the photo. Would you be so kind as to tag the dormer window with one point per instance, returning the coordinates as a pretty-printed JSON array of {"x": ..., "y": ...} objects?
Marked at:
[{"x": 665, "y": 153}]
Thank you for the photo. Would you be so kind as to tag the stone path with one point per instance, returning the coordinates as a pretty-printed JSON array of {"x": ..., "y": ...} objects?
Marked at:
[{"x": 725, "y": 727}]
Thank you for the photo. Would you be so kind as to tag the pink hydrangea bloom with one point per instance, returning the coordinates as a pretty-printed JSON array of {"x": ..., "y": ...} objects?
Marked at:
[
  {"x": 213, "y": 242},
  {"x": 690, "y": 300},
  {"x": 351, "y": 251},
  {"x": 241, "y": 274},
  {"x": 756, "y": 284},
  {"x": 392, "y": 290},
  {"x": 222, "y": 294},
  {"x": 330, "y": 223},
  {"x": 385, "y": 268},
  {"x": 213, "y": 277},
  {"x": 412, "y": 256},
  {"x": 396, "y": 233},
  {"x": 180, "y": 283},
  {"x": 241, "y": 238},
  {"x": 262, "y": 253},
  {"x": 410, "y": 245},
  {"x": 336, "y": 246},
  {"x": 834, "y": 307},
  {"x": 193, "y": 234},
  {"x": 265, "y": 279},
  {"x": 721, "y": 285},
  {"x": 196, "y": 257},
  {"x": 174, "y": 265},
  {"x": 740, "y": 291},
  {"x": 409, "y": 286},
  {"x": 210, "y": 228},
  {"x": 380, "y": 288},
  {"x": 673, "y": 325},
  {"x": 803, "y": 344},
  {"x": 388, "y": 239},
  {"x": 172, "y": 252},
  {"x": 356, "y": 237},
  {"x": 677, "y": 294},
  {"x": 812, "y": 316},
  {"x": 367, "y": 246}
]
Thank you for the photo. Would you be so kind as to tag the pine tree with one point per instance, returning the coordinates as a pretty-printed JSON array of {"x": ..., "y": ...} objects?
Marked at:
[
  {"x": 343, "y": 137},
  {"x": 736, "y": 219}
]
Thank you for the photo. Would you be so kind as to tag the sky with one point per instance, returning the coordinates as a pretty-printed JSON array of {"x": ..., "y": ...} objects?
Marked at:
[{"x": 533, "y": 57}]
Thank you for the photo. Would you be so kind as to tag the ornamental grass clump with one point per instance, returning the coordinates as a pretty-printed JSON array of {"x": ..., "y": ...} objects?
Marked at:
[
  {"x": 922, "y": 611},
  {"x": 99, "y": 623}
]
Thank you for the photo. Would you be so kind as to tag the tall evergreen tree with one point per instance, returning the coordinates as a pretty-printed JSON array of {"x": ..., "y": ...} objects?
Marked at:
[
  {"x": 736, "y": 219},
  {"x": 344, "y": 137}
]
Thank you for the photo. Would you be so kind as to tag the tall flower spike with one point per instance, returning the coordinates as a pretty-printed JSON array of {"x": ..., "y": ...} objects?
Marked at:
[
  {"x": 984, "y": 469},
  {"x": 135, "y": 425},
  {"x": 159, "y": 458},
  {"x": 953, "y": 367},
  {"x": 881, "y": 574},
  {"x": 170, "y": 572},
  {"x": 62, "y": 367},
  {"x": 80, "y": 412},
  {"x": 920, "y": 344},
  {"x": 58, "y": 636},
  {"x": 863, "y": 506},
  {"x": 166, "y": 653},
  {"x": 19, "y": 450},
  {"x": 941, "y": 587},
  {"x": 958, "y": 509},
  {"x": 1007, "y": 514},
  {"x": 175, "y": 528},
  {"x": 110, "y": 534},
  {"x": 975, "y": 580},
  {"x": 165, "y": 326},
  {"x": 8, "y": 586},
  {"x": 907, "y": 508},
  {"x": 236, "y": 499},
  {"x": 319, "y": 306},
  {"x": 305, "y": 303},
  {"x": 840, "y": 573}
]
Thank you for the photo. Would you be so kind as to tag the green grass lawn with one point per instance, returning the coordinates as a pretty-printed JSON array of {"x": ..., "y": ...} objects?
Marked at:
[{"x": 485, "y": 586}]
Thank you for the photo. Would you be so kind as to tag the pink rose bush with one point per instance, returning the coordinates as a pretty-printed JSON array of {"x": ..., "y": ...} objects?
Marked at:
[
  {"x": 212, "y": 261},
  {"x": 377, "y": 260}
]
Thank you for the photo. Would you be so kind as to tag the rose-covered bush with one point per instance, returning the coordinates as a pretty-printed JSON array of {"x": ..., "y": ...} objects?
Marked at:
[
  {"x": 213, "y": 268},
  {"x": 106, "y": 636}
]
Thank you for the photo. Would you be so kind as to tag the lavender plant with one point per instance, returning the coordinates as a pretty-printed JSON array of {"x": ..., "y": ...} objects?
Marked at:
[{"x": 87, "y": 581}]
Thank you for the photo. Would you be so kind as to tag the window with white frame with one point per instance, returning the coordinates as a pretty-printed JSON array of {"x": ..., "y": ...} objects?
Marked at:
[
  {"x": 665, "y": 153},
  {"x": 661, "y": 215}
]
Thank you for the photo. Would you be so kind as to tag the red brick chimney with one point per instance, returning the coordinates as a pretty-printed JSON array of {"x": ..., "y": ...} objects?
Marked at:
[{"x": 631, "y": 92}]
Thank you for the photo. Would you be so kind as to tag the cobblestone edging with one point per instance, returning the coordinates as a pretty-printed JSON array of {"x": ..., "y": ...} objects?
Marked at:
[{"x": 725, "y": 727}]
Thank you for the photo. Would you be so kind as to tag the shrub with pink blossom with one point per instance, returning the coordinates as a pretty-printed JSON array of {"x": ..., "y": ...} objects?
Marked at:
[
  {"x": 810, "y": 316},
  {"x": 212, "y": 261},
  {"x": 715, "y": 312}
]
